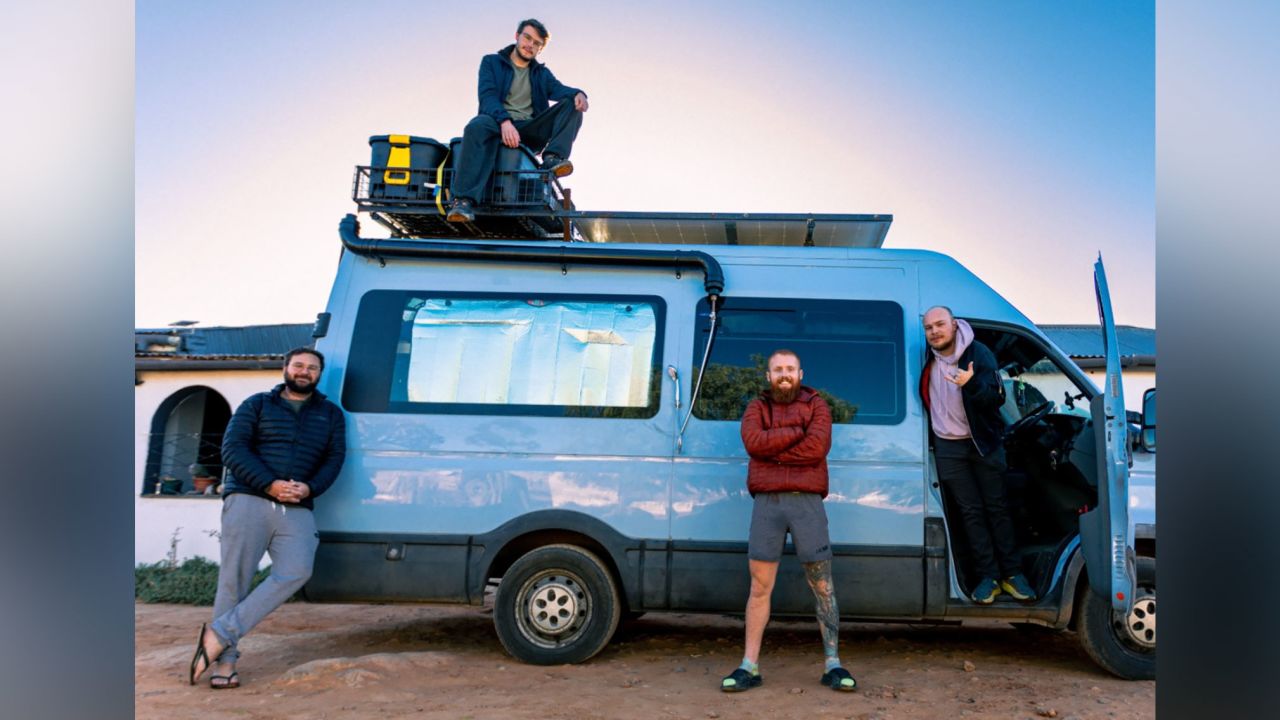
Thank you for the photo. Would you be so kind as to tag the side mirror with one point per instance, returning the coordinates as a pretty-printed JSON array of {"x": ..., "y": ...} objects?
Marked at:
[{"x": 1149, "y": 420}]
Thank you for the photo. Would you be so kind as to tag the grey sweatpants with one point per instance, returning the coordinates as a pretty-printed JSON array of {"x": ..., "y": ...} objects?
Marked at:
[{"x": 252, "y": 526}]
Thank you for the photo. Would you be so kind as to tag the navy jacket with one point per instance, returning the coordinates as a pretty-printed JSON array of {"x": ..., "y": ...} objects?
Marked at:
[
  {"x": 982, "y": 396},
  {"x": 496, "y": 74},
  {"x": 267, "y": 441}
]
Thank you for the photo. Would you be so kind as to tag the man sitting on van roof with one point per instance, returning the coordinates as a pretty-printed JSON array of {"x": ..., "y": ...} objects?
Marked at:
[
  {"x": 515, "y": 91},
  {"x": 787, "y": 434}
]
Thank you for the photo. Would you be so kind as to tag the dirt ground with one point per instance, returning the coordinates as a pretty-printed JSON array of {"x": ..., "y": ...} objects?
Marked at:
[{"x": 375, "y": 661}]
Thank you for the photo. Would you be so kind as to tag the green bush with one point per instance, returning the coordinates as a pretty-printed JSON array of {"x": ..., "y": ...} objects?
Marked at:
[{"x": 194, "y": 582}]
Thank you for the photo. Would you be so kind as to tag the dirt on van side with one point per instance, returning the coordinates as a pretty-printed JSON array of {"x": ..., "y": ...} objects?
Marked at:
[{"x": 315, "y": 661}]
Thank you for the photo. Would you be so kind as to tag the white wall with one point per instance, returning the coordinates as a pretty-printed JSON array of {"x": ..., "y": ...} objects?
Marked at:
[{"x": 157, "y": 517}]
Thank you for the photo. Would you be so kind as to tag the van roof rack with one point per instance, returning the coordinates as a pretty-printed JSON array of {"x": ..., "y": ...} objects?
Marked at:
[
  {"x": 529, "y": 203},
  {"x": 642, "y": 227}
]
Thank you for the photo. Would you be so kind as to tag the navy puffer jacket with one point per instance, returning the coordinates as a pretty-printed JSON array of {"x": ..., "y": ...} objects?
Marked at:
[
  {"x": 267, "y": 441},
  {"x": 496, "y": 74}
]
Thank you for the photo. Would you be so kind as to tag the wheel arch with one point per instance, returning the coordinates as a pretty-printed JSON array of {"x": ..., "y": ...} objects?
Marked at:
[
  {"x": 507, "y": 543},
  {"x": 1076, "y": 579}
]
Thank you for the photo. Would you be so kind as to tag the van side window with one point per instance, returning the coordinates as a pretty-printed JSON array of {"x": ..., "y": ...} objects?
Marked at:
[
  {"x": 851, "y": 351},
  {"x": 484, "y": 353}
]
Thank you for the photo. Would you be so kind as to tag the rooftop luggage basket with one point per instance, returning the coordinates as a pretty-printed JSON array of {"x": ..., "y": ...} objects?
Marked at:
[{"x": 406, "y": 189}]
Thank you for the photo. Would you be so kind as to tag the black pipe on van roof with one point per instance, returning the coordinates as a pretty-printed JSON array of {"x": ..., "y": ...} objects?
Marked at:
[{"x": 542, "y": 252}]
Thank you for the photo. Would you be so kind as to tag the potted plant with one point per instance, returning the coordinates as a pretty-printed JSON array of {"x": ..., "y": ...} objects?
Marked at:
[
  {"x": 202, "y": 478},
  {"x": 169, "y": 485}
]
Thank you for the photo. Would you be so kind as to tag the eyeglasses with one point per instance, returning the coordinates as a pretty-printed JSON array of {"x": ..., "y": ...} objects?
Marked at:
[{"x": 536, "y": 43}]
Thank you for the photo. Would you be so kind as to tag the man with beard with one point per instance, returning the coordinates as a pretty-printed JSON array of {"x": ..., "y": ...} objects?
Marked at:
[
  {"x": 515, "y": 91},
  {"x": 283, "y": 449},
  {"x": 787, "y": 434},
  {"x": 962, "y": 390}
]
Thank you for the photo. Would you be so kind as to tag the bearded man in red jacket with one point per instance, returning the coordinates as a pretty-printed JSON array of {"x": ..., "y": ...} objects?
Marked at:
[{"x": 787, "y": 434}]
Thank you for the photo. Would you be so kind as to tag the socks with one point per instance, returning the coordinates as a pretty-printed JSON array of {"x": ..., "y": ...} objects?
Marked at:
[{"x": 832, "y": 662}]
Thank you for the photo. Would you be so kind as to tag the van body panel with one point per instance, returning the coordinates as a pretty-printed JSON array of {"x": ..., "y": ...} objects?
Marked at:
[
  {"x": 469, "y": 473},
  {"x": 670, "y": 511},
  {"x": 388, "y": 568},
  {"x": 402, "y": 492}
]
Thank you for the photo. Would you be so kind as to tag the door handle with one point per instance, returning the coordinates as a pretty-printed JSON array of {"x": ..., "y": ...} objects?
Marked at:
[{"x": 675, "y": 380}]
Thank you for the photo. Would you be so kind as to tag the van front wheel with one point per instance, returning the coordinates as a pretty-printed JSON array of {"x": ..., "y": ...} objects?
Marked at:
[
  {"x": 1124, "y": 646},
  {"x": 557, "y": 604}
]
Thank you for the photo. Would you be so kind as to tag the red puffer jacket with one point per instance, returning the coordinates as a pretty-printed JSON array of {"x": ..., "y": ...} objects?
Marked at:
[{"x": 788, "y": 444}]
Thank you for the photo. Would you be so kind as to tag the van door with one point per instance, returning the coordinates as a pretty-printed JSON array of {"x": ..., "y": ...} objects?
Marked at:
[
  {"x": 1106, "y": 537},
  {"x": 854, "y": 351}
]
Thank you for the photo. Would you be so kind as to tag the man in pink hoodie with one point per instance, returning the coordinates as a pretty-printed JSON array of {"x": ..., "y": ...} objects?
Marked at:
[{"x": 962, "y": 390}]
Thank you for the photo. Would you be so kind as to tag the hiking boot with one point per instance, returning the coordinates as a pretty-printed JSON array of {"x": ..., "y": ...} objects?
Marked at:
[
  {"x": 986, "y": 592},
  {"x": 558, "y": 166},
  {"x": 1018, "y": 587},
  {"x": 461, "y": 212}
]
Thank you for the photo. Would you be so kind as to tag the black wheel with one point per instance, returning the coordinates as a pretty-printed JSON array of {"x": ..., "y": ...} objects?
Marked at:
[
  {"x": 1123, "y": 646},
  {"x": 557, "y": 604}
]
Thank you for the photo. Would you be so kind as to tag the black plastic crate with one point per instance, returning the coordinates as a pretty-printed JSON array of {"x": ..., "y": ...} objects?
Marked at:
[
  {"x": 517, "y": 181},
  {"x": 404, "y": 167}
]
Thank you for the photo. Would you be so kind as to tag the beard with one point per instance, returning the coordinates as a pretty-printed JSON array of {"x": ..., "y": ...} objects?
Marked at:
[
  {"x": 944, "y": 347},
  {"x": 302, "y": 388},
  {"x": 784, "y": 395}
]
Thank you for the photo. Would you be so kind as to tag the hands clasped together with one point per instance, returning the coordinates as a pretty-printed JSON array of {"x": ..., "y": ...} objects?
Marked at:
[{"x": 289, "y": 491}]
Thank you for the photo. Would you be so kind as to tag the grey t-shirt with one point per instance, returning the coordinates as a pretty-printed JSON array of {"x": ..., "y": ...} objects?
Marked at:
[{"x": 519, "y": 102}]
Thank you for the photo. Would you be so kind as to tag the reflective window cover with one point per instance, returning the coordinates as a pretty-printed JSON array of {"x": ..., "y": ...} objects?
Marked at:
[{"x": 490, "y": 354}]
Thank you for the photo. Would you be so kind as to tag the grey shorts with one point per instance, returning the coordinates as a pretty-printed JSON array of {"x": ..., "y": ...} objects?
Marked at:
[{"x": 802, "y": 514}]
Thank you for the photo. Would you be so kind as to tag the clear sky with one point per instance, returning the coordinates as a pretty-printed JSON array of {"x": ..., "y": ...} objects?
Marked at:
[{"x": 1016, "y": 136}]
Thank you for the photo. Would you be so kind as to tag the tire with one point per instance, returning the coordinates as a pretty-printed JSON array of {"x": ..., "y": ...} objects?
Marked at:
[
  {"x": 557, "y": 604},
  {"x": 1106, "y": 639}
]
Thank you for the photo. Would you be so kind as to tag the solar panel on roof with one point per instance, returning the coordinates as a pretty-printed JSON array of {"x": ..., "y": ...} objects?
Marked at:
[{"x": 790, "y": 230}]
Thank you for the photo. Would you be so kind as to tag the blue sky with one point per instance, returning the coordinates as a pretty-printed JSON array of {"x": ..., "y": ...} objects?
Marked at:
[{"x": 1017, "y": 137}]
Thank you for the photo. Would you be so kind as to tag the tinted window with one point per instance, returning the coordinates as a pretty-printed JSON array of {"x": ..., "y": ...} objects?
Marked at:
[
  {"x": 851, "y": 351},
  {"x": 500, "y": 354}
]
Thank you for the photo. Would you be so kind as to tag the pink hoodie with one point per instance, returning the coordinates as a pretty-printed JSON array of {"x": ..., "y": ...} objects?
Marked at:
[{"x": 946, "y": 406}]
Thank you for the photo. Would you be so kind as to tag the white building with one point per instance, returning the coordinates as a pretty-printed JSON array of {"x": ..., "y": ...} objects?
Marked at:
[{"x": 187, "y": 382}]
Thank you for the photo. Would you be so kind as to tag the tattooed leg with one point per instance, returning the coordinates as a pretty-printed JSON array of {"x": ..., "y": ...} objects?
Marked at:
[{"x": 819, "y": 576}]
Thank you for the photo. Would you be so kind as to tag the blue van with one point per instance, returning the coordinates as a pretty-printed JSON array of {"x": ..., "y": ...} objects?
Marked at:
[{"x": 552, "y": 427}]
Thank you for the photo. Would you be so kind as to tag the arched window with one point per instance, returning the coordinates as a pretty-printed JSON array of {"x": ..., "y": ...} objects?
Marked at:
[{"x": 187, "y": 428}]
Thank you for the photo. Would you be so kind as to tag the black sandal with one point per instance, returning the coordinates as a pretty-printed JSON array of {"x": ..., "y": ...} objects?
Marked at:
[
  {"x": 193, "y": 675},
  {"x": 835, "y": 679},
  {"x": 231, "y": 681},
  {"x": 740, "y": 681}
]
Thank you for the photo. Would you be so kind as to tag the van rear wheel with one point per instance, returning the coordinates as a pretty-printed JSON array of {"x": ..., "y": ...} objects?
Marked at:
[
  {"x": 557, "y": 604},
  {"x": 1124, "y": 646}
]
